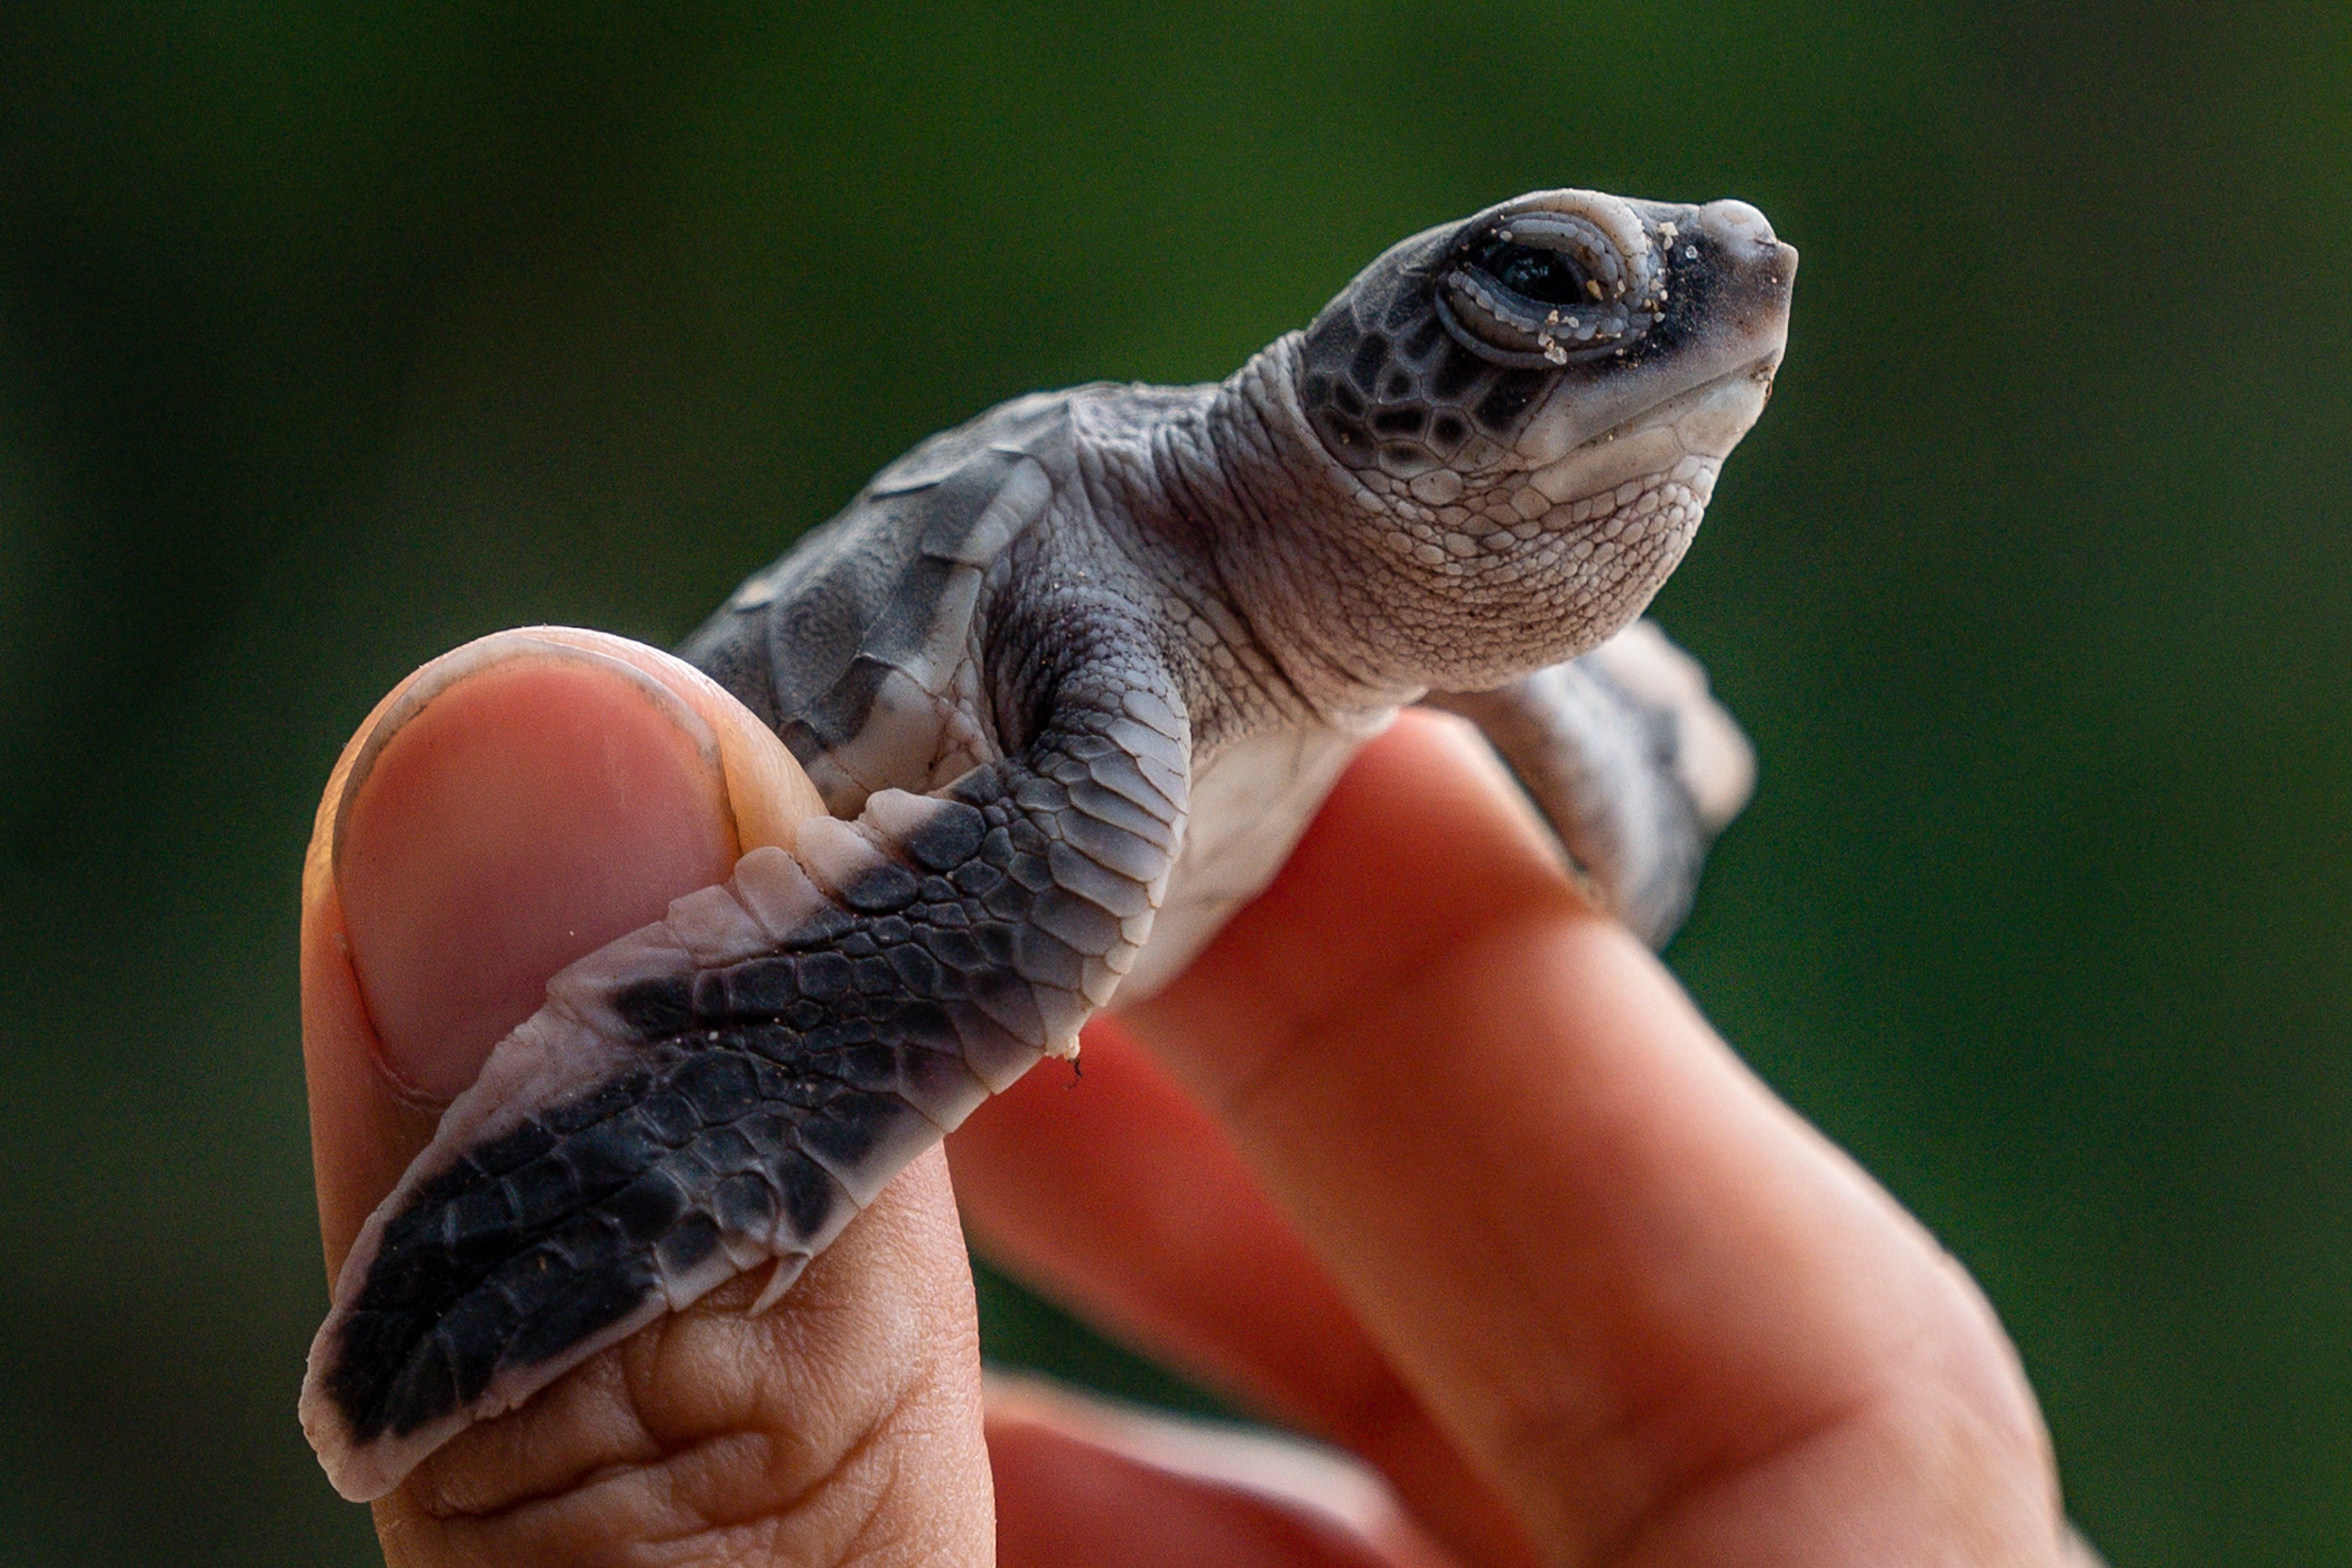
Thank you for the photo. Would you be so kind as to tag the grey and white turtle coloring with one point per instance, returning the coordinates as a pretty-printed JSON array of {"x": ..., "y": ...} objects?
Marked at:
[{"x": 1072, "y": 680}]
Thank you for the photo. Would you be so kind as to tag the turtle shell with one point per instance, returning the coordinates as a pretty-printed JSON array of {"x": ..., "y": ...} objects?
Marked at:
[{"x": 857, "y": 646}]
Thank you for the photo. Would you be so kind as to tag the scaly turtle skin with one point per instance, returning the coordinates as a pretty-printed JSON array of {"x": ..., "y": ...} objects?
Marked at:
[{"x": 1072, "y": 679}]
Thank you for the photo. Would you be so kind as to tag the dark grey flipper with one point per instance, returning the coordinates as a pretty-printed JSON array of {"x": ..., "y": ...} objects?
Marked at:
[
  {"x": 1637, "y": 768},
  {"x": 729, "y": 1086}
]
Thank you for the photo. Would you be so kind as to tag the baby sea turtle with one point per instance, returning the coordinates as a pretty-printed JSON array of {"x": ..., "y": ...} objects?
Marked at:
[{"x": 1072, "y": 679}]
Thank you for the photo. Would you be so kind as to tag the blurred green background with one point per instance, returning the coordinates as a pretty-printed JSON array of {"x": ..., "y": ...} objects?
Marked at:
[{"x": 334, "y": 333}]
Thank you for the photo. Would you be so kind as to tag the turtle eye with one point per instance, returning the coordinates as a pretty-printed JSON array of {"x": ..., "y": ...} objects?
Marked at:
[
  {"x": 1542, "y": 277},
  {"x": 1545, "y": 288}
]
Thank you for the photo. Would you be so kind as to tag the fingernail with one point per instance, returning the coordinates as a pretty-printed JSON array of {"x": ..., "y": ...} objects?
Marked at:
[{"x": 519, "y": 805}]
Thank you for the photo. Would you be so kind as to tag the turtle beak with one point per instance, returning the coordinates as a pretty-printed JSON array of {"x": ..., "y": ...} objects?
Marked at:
[{"x": 1759, "y": 273}]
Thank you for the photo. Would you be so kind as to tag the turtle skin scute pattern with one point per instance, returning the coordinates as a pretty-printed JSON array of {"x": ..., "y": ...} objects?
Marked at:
[{"x": 776, "y": 1094}]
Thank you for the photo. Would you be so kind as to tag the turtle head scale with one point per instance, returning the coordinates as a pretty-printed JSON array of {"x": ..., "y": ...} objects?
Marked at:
[{"x": 1521, "y": 415}]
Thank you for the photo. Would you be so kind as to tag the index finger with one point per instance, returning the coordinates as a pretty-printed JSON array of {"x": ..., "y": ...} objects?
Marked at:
[{"x": 1597, "y": 1249}]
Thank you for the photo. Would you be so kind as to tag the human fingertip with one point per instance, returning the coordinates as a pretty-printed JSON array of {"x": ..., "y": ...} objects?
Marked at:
[
  {"x": 768, "y": 790},
  {"x": 516, "y": 805}
]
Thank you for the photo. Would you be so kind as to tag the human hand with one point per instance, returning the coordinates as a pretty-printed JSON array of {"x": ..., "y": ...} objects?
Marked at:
[
  {"x": 554, "y": 790},
  {"x": 1427, "y": 1160},
  {"x": 1421, "y": 1156}
]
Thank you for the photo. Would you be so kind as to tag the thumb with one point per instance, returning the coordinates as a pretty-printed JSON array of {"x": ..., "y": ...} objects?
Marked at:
[{"x": 507, "y": 810}]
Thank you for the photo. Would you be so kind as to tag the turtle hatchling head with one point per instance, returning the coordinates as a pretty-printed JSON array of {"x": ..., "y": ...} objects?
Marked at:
[{"x": 1533, "y": 404}]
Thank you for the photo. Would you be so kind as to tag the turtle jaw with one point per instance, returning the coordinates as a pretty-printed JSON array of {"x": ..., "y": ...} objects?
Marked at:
[
  {"x": 1712, "y": 404},
  {"x": 1688, "y": 432}
]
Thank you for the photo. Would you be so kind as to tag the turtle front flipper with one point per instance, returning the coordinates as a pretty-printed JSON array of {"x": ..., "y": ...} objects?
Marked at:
[
  {"x": 1637, "y": 766},
  {"x": 731, "y": 1084}
]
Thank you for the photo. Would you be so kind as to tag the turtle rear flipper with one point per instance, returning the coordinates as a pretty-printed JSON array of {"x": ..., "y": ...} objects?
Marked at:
[{"x": 1636, "y": 766}]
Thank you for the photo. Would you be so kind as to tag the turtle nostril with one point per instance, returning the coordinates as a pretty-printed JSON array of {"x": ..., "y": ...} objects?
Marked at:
[
  {"x": 1736, "y": 222},
  {"x": 1744, "y": 241}
]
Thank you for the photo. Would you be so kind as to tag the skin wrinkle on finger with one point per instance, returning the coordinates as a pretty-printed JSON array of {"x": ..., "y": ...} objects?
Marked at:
[
  {"x": 1910, "y": 1393},
  {"x": 745, "y": 1461},
  {"x": 825, "y": 1429},
  {"x": 510, "y": 1466},
  {"x": 689, "y": 1500},
  {"x": 1666, "y": 1509},
  {"x": 715, "y": 1502},
  {"x": 1631, "y": 1440},
  {"x": 742, "y": 1497},
  {"x": 1988, "y": 1507}
]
